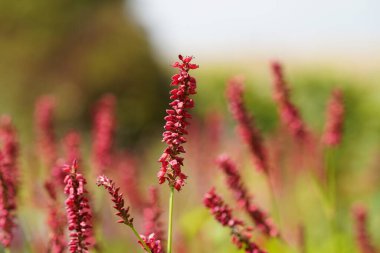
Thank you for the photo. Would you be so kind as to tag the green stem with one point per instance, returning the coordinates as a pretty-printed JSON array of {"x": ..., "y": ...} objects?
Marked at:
[
  {"x": 272, "y": 193},
  {"x": 141, "y": 240},
  {"x": 170, "y": 223}
]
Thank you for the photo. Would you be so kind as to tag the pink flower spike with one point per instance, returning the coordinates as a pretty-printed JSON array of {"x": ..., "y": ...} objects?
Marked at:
[
  {"x": 176, "y": 124},
  {"x": 335, "y": 118},
  {"x": 246, "y": 125},
  {"x": 290, "y": 115},
  {"x": 363, "y": 238},
  {"x": 152, "y": 215},
  {"x": 152, "y": 242},
  {"x": 79, "y": 214}
]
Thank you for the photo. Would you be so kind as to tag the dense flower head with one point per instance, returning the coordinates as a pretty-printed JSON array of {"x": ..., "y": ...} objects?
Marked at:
[
  {"x": 78, "y": 210},
  {"x": 363, "y": 238},
  {"x": 8, "y": 179},
  {"x": 103, "y": 132},
  {"x": 290, "y": 115},
  {"x": 234, "y": 182},
  {"x": 152, "y": 215},
  {"x": 117, "y": 199},
  {"x": 240, "y": 234},
  {"x": 335, "y": 118},
  {"x": 246, "y": 124},
  {"x": 152, "y": 242},
  {"x": 176, "y": 123},
  {"x": 44, "y": 121},
  {"x": 57, "y": 223}
]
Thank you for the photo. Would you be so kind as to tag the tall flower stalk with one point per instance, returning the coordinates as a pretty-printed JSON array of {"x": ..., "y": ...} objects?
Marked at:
[
  {"x": 175, "y": 131},
  {"x": 78, "y": 210}
]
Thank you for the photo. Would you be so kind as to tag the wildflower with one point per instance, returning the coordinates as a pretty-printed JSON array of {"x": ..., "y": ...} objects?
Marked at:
[
  {"x": 223, "y": 214},
  {"x": 363, "y": 238},
  {"x": 152, "y": 242},
  {"x": 44, "y": 113},
  {"x": 290, "y": 115},
  {"x": 78, "y": 210},
  {"x": 152, "y": 214},
  {"x": 234, "y": 182},
  {"x": 103, "y": 132},
  {"x": 176, "y": 123},
  {"x": 71, "y": 146},
  {"x": 246, "y": 125},
  {"x": 8, "y": 180},
  {"x": 117, "y": 199},
  {"x": 335, "y": 117}
]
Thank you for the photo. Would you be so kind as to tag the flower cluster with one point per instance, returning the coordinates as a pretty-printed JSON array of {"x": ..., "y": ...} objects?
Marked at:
[
  {"x": 246, "y": 124},
  {"x": 289, "y": 113},
  {"x": 44, "y": 113},
  {"x": 103, "y": 132},
  {"x": 335, "y": 118},
  {"x": 117, "y": 199},
  {"x": 223, "y": 214},
  {"x": 8, "y": 180},
  {"x": 234, "y": 182},
  {"x": 363, "y": 238},
  {"x": 152, "y": 214},
  {"x": 152, "y": 242},
  {"x": 176, "y": 123},
  {"x": 78, "y": 210}
]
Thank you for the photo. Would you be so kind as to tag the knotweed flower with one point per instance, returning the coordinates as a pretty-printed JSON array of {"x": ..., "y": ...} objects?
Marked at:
[
  {"x": 363, "y": 238},
  {"x": 152, "y": 215},
  {"x": 103, "y": 132},
  {"x": 117, "y": 199},
  {"x": 8, "y": 180},
  {"x": 44, "y": 113},
  {"x": 290, "y": 115},
  {"x": 152, "y": 242},
  {"x": 335, "y": 118},
  {"x": 71, "y": 146},
  {"x": 234, "y": 182},
  {"x": 223, "y": 214},
  {"x": 78, "y": 210},
  {"x": 246, "y": 124},
  {"x": 176, "y": 123}
]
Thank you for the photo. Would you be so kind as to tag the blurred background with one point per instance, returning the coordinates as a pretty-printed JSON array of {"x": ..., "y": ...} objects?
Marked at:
[{"x": 79, "y": 50}]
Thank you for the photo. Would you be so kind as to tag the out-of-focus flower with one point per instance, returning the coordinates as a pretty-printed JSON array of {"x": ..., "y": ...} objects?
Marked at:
[
  {"x": 289, "y": 113},
  {"x": 363, "y": 238},
  {"x": 234, "y": 182},
  {"x": 152, "y": 214},
  {"x": 152, "y": 242},
  {"x": 335, "y": 118},
  {"x": 71, "y": 147},
  {"x": 44, "y": 113},
  {"x": 223, "y": 214},
  {"x": 246, "y": 125},
  {"x": 176, "y": 123},
  {"x": 78, "y": 210},
  {"x": 103, "y": 132},
  {"x": 117, "y": 199},
  {"x": 8, "y": 179}
]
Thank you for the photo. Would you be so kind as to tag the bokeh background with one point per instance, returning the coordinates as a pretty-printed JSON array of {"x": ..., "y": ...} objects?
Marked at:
[{"x": 79, "y": 50}]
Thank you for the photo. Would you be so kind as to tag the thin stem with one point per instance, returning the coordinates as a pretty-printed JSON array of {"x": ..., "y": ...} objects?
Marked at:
[
  {"x": 170, "y": 223},
  {"x": 141, "y": 240},
  {"x": 276, "y": 209}
]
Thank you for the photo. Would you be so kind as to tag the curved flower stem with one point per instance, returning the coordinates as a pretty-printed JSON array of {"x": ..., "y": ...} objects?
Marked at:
[
  {"x": 170, "y": 222},
  {"x": 140, "y": 239}
]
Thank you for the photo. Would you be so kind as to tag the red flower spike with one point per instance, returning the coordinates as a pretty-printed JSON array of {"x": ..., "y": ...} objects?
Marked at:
[
  {"x": 117, "y": 199},
  {"x": 246, "y": 125},
  {"x": 152, "y": 215},
  {"x": 240, "y": 234},
  {"x": 44, "y": 121},
  {"x": 234, "y": 182},
  {"x": 79, "y": 214},
  {"x": 176, "y": 123},
  {"x": 103, "y": 132},
  {"x": 290, "y": 115},
  {"x": 363, "y": 238},
  {"x": 335, "y": 118},
  {"x": 8, "y": 180}
]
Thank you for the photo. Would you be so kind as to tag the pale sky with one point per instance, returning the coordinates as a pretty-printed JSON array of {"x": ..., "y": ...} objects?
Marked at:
[{"x": 241, "y": 27}]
